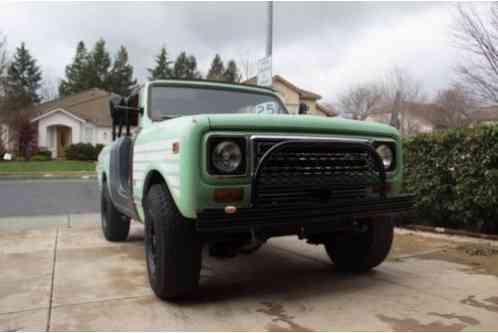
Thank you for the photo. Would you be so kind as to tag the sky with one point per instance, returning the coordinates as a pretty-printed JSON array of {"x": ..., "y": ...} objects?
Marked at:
[{"x": 323, "y": 47}]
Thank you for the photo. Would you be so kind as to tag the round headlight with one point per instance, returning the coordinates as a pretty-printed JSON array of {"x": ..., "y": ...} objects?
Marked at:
[
  {"x": 386, "y": 154},
  {"x": 226, "y": 156}
]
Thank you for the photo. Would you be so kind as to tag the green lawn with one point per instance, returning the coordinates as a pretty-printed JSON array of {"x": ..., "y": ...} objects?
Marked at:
[{"x": 47, "y": 166}]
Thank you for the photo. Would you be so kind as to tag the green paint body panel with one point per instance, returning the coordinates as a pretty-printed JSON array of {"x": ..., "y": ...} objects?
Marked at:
[{"x": 186, "y": 174}]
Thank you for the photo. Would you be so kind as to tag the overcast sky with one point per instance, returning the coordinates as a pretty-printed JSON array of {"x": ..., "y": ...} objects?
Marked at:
[{"x": 323, "y": 47}]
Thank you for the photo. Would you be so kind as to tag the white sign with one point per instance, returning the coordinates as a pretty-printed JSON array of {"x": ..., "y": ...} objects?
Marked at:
[{"x": 264, "y": 72}]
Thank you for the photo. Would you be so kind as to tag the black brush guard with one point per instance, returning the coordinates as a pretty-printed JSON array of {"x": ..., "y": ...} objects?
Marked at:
[{"x": 309, "y": 183}]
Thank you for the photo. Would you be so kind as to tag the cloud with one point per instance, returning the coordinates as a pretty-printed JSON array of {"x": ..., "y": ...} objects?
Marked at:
[{"x": 325, "y": 47}]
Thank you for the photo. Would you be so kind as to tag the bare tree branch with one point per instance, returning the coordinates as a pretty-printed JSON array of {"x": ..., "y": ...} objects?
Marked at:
[
  {"x": 457, "y": 105},
  {"x": 359, "y": 102},
  {"x": 478, "y": 39}
]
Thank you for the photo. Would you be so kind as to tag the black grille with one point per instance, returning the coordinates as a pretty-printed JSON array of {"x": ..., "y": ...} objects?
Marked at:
[{"x": 301, "y": 172}]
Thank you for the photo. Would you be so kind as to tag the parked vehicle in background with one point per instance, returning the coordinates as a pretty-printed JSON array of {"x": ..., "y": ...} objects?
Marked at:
[{"x": 225, "y": 166}]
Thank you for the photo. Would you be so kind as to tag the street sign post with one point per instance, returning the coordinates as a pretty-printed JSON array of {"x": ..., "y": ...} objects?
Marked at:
[{"x": 264, "y": 72}]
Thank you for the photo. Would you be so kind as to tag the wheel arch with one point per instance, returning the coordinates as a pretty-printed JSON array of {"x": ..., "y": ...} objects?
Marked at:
[{"x": 154, "y": 176}]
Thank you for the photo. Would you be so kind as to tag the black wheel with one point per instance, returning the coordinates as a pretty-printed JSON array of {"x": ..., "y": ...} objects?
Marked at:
[
  {"x": 172, "y": 248},
  {"x": 360, "y": 251},
  {"x": 115, "y": 225}
]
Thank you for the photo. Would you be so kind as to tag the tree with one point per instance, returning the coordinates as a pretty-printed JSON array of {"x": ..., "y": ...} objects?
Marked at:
[
  {"x": 3, "y": 58},
  {"x": 3, "y": 72},
  {"x": 162, "y": 69},
  {"x": 186, "y": 67},
  {"x": 121, "y": 75},
  {"x": 77, "y": 73},
  {"x": 478, "y": 39},
  {"x": 49, "y": 90},
  {"x": 23, "y": 78},
  {"x": 399, "y": 89},
  {"x": 231, "y": 74},
  {"x": 99, "y": 62},
  {"x": 360, "y": 102},
  {"x": 217, "y": 70},
  {"x": 457, "y": 105}
]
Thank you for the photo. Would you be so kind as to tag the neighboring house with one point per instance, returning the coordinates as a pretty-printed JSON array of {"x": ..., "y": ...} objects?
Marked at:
[
  {"x": 484, "y": 115},
  {"x": 426, "y": 117},
  {"x": 294, "y": 96},
  {"x": 80, "y": 118},
  {"x": 414, "y": 117}
]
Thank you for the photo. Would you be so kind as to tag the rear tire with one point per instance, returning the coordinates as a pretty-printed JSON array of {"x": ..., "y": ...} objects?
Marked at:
[
  {"x": 172, "y": 249},
  {"x": 115, "y": 226},
  {"x": 355, "y": 251}
]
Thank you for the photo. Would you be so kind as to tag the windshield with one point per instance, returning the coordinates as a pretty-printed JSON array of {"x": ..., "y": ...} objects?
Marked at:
[{"x": 168, "y": 102}]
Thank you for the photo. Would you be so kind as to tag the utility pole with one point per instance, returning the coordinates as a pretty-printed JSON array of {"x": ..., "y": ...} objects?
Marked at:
[
  {"x": 269, "y": 36},
  {"x": 265, "y": 74}
]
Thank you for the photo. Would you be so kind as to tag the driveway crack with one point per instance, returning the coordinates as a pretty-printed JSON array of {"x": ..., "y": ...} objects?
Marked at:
[{"x": 49, "y": 317}]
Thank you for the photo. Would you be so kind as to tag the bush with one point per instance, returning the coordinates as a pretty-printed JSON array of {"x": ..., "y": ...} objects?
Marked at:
[
  {"x": 98, "y": 149},
  {"x": 43, "y": 155},
  {"x": 454, "y": 175},
  {"x": 40, "y": 158},
  {"x": 82, "y": 152}
]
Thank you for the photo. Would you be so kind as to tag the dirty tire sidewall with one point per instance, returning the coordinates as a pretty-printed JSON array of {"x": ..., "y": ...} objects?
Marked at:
[
  {"x": 362, "y": 251},
  {"x": 115, "y": 226},
  {"x": 177, "y": 251}
]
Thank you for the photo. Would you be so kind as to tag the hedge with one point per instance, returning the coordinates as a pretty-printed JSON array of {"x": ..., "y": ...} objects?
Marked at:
[
  {"x": 83, "y": 152},
  {"x": 454, "y": 175},
  {"x": 42, "y": 155}
]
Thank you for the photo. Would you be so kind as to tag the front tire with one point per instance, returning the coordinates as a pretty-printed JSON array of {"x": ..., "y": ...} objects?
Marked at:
[
  {"x": 115, "y": 226},
  {"x": 360, "y": 251},
  {"x": 172, "y": 248}
]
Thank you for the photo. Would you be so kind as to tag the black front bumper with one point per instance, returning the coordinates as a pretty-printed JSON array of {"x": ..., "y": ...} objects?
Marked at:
[{"x": 340, "y": 212}]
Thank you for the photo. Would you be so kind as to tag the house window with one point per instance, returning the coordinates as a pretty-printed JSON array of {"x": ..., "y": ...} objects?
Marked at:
[{"x": 89, "y": 134}]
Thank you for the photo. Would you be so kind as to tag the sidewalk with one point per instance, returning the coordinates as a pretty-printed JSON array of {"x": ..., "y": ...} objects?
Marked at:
[{"x": 48, "y": 175}]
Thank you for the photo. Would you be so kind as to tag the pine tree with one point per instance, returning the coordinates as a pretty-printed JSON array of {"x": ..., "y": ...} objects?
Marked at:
[
  {"x": 162, "y": 70},
  {"x": 186, "y": 67},
  {"x": 23, "y": 78},
  {"x": 121, "y": 75},
  {"x": 99, "y": 62},
  {"x": 231, "y": 74},
  {"x": 77, "y": 73},
  {"x": 217, "y": 70}
]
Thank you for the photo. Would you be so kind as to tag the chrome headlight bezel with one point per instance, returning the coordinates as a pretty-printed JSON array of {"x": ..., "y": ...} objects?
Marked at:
[
  {"x": 236, "y": 146},
  {"x": 387, "y": 153}
]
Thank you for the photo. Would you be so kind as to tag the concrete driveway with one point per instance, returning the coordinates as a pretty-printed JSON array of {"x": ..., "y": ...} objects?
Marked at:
[{"x": 58, "y": 273}]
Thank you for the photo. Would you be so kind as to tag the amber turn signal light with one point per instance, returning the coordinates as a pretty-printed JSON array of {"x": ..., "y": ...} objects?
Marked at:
[{"x": 228, "y": 194}]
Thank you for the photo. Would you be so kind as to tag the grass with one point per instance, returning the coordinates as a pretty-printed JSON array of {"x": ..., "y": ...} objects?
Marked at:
[{"x": 46, "y": 166}]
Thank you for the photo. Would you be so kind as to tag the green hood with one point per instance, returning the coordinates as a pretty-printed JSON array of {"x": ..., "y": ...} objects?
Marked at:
[{"x": 299, "y": 124}]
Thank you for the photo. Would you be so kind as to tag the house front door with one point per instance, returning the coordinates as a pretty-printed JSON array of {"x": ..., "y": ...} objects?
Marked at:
[{"x": 63, "y": 140}]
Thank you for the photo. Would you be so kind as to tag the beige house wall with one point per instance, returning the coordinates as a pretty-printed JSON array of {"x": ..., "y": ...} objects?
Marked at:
[
  {"x": 290, "y": 96},
  {"x": 410, "y": 124}
]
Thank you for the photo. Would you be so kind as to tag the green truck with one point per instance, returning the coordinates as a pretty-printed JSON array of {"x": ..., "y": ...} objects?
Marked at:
[{"x": 225, "y": 167}]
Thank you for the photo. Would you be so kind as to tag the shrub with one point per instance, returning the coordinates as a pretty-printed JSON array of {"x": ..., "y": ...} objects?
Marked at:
[
  {"x": 40, "y": 158},
  {"x": 81, "y": 152},
  {"x": 454, "y": 175},
  {"x": 98, "y": 149}
]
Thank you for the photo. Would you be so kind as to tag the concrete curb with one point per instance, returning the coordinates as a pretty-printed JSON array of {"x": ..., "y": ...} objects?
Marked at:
[
  {"x": 47, "y": 175},
  {"x": 449, "y": 231}
]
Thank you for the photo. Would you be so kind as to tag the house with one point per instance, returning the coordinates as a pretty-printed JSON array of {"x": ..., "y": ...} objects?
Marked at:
[
  {"x": 415, "y": 117},
  {"x": 80, "y": 118},
  {"x": 426, "y": 117},
  {"x": 294, "y": 97},
  {"x": 484, "y": 115}
]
